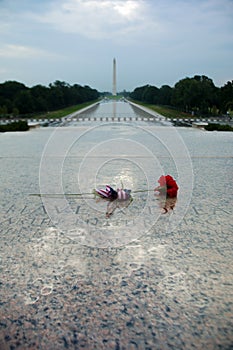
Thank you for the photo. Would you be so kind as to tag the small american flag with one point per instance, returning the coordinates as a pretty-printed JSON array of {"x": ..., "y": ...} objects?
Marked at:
[
  {"x": 107, "y": 193},
  {"x": 123, "y": 195}
]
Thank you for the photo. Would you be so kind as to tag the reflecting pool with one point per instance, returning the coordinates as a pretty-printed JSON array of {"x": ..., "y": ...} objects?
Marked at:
[{"x": 71, "y": 278}]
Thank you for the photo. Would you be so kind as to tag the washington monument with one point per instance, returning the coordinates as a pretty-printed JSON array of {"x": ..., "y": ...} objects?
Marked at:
[{"x": 114, "y": 78}]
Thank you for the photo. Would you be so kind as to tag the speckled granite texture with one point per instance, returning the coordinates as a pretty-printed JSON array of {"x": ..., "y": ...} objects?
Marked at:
[{"x": 167, "y": 286}]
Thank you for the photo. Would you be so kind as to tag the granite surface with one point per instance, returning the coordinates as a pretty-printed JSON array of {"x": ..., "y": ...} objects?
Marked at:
[{"x": 156, "y": 282}]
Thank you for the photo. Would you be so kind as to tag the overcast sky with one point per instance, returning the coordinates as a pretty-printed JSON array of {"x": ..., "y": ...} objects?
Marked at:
[{"x": 154, "y": 42}]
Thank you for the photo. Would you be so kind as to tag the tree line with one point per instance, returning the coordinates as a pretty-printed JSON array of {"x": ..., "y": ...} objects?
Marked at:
[
  {"x": 18, "y": 99},
  {"x": 197, "y": 95}
]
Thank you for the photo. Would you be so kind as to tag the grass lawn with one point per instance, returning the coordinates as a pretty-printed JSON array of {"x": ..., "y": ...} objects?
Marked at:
[
  {"x": 165, "y": 111},
  {"x": 63, "y": 112}
]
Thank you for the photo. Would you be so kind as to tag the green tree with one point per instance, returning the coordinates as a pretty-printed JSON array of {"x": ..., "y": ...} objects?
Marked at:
[
  {"x": 226, "y": 96},
  {"x": 3, "y": 111},
  {"x": 138, "y": 92},
  {"x": 15, "y": 112},
  {"x": 40, "y": 94},
  {"x": 165, "y": 95},
  {"x": 10, "y": 89},
  {"x": 195, "y": 94},
  {"x": 56, "y": 99},
  {"x": 150, "y": 94},
  {"x": 24, "y": 102}
]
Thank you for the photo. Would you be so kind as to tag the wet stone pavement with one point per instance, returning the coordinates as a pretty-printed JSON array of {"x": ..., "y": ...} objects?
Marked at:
[{"x": 158, "y": 282}]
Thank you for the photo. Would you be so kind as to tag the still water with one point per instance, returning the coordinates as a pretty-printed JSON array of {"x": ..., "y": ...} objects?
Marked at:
[{"x": 141, "y": 279}]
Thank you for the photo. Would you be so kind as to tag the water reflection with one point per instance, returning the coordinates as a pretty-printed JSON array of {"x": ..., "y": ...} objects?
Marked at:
[
  {"x": 114, "y": 111},
  {"x": 167, "y": 204}
]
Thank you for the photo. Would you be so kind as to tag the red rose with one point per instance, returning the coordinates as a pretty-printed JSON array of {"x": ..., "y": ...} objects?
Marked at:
[{"x": 168, "y": 185}]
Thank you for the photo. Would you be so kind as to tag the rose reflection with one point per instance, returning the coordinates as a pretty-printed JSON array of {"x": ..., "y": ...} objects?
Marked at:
[{"x": 166, "y": 203}]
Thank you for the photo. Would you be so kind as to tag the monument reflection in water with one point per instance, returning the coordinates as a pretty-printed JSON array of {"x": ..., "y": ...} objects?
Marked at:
[{"x": 72, "y": 278}]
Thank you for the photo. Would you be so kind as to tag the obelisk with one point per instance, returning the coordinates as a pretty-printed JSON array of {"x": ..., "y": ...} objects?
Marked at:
[{"x": 114, "y": 78}]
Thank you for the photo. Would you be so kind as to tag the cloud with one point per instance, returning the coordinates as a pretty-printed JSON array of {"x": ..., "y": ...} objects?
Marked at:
[
  {"x": 158, "y": 22},
  {"x": 154, "y": 41},
  {"x": 20, "y": 51},
  {"x": 99, "y": 19}
]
